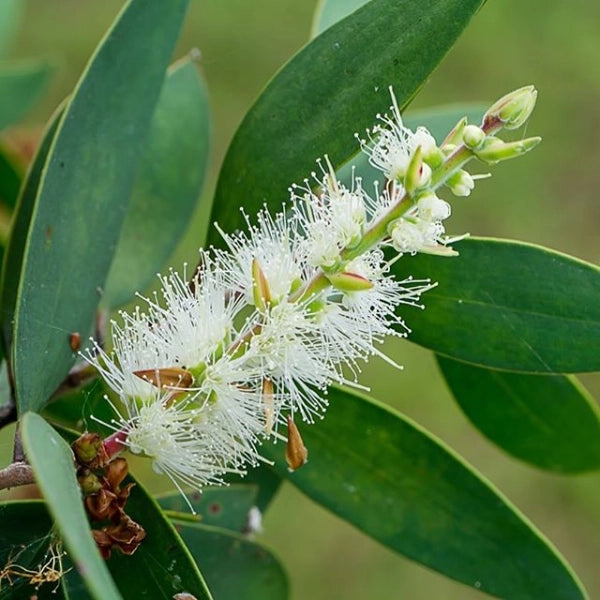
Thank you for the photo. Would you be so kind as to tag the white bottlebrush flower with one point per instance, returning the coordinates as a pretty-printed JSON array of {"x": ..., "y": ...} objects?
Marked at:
[
  {"x": 193, "y": 322},
  {"x": 390, "y": 145},
  {"x": 134, "y": 349},
  {"x": 289, "y": 349},
  {"x": 271, "y": 243},
  {"x": 329, "y": 219},
  {"x": 180, "y": 439},
  {"x": 355, "y": 323}
]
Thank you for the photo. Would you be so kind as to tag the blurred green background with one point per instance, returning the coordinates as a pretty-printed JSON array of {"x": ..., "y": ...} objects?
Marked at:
[{"x": 549, "y": 197}]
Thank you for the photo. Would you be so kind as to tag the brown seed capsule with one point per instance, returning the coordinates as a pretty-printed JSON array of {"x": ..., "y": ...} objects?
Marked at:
[
  {"x": 296, "y": 453},
  {"x": 75, "y": 341},
  {"x": 170, "y": 378}
]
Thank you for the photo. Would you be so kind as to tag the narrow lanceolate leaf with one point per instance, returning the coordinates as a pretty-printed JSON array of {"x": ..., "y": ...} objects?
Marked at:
[
  {"x": 13, "y": 258},
  {"x": 167, "y": 185},
  {"x": 397, "y": 483},
  {"x": 52, "y": 462},
  {"x": 234, "y": 566},
  {"x": 82, "y": 197},
  {"x": 547, "y": 420},
  {"x": 27, "y": 545},
  {"x": 162, "y": 566},
  {"x": 306, "y": 112},
  {"x": 21, "y": 84},
  {"x": 508, "y": 305}
]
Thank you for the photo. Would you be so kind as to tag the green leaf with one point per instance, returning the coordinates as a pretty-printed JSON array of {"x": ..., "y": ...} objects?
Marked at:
[
  {"x": 167, "y": 186},
  {"x": 10, "y": 16},
  {"x": 406, "y": 489},
  {"x": 329, "y": 12},
  {"x": 22, "y": 83},
  {"x": 25, "y": 538},
  {"x": 235, "y": 567},
  {"x": 508, "y": 305},
  {"x": 74, "y": 408},
  {"x": 52, "y": 462},
  {"x": 306, "y": 112},
  {"x": 225, "y": 507},
  {"x": 550, "y": 421},
  {"x": 10, "y": 180},
  {"x": 162, "y": 566},
  {"x": 13, "y": 259},
  {"x": 81, "y": 201}
]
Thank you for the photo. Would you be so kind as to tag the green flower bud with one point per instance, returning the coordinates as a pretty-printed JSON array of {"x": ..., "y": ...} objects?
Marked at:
[
  {"x": 495, "y": 150},
  {"x": 349, "y": 282},
  {"x": 473, "y": 136},
  {"x": 512, "y": 110}
]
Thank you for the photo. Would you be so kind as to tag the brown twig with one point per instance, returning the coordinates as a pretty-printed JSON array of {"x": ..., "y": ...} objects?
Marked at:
[{"x": 16, "y": 474}]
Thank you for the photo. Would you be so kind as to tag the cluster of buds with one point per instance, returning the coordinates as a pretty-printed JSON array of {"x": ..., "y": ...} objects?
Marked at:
[
  {"x": 100, "y": 477},
  {"x": 213, "y": 366}
]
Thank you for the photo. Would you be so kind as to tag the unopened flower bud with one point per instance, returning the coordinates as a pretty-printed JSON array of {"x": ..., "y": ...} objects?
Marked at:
[
  {"x": 512, "y": 110},
  {"x": 268, "y": 404},
  {"x": 260, "y": 287},
  {"x": 461, "y": 183},
  {"x": 432, "y": 208},
  {"x": 456, "y": 134},
  {"x": 412, "y": 179},
  {"x": 473, "y": 136},
  {"x": 349, "y": 282},
  {"x": 495, "y": 150}
]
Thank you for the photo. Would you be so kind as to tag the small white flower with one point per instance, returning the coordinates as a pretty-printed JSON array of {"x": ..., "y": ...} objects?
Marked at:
[
  {"x": 390, "y": 145},
  {"x": 432, "y": 208},
  {"x": 178, "y": 439},
  {"x": 270, "y": 242},
  {"x": 461, "y": 183},
  {"x": 406, "y": 236},
  {"x": 330, "y": 220}
]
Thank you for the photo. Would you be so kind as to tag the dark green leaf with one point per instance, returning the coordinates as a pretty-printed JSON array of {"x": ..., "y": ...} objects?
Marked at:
[
  {"x": 10, "y": 180},
  {"x": 391, "y": 479},
  {"x": 26, "y": 537},
  {"x": 167, "y": 186},
  {"x": 22, "y": 84},
  {"x": 225, "y": 507},
  {"x": 329, "y": 12},
  {"x": 13, "y": 260},
  {"x": 548, "y": 420},
  {"x": 508, "y": 305},
  {"x": 234, "y": 566},
  {"x": 306, "y": 112},
  {"x": 74, "y": 409},
  {"x": 265, "y": 478},
  {"x": 81, "y": 201},
  {"x": 162, "y": 566},
  {"x": 52, "y": 462}
]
